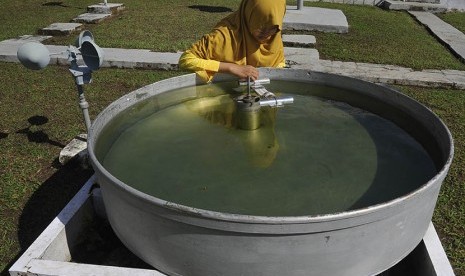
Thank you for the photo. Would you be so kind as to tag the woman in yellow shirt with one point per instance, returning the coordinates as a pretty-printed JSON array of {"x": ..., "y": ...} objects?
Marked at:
[
  {"x": 241, "y": 42},
  {"x": 244, "y": 40}
]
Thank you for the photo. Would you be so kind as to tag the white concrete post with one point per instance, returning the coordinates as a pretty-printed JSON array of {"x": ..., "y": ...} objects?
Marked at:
[{"x": 300, "y": 4}]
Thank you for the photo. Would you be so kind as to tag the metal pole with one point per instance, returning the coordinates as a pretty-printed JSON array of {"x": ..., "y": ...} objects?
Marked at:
[
  {"x": 84, "y": 106},
  {"x": 300, "y": 4}
]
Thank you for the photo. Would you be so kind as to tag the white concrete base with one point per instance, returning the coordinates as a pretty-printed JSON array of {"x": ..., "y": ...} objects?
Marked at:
[{"x": 50, "y": 253}]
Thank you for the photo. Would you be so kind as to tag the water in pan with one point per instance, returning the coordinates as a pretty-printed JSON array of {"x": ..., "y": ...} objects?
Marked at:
[{"x": 315, "y": 156}]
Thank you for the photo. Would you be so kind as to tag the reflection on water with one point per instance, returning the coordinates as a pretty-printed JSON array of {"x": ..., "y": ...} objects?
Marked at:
[
  {"x": 315, "y": 156},
  {"x": 260, "y": 145}
]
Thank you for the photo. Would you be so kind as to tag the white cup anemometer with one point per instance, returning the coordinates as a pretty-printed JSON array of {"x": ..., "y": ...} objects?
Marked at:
[{"x": 36, "y": 56}]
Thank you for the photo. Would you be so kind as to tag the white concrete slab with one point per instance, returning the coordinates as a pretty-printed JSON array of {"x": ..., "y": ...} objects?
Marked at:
[
  {"x": 350, "y": 2},
  {"x": 134, "y": 58},
  {"x": 448, "y": 34},
  {"x": 111, "y": 8},
  {"x": 414, "y": 6},
  {"x": 298, "y": 58},
  {"x": 113, "y": 57},
  {"x": 26, "y": 38},
  {"x": 301, "y": 56},
  {"x": 40, "y": 267},
  {"x": 9, "y": 47},
  {"x": 454, "y": 4},
  {"x": 61, "y": 29},
  {"x": 426, "y": 1},
  {"x": 315, "y": 19},
  {"x": 437, "y": 256},
  {"x": 91, "y": 18}
]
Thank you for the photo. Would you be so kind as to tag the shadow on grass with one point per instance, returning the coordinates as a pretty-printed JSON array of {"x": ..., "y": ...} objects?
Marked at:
[
  {"x": 46, "y": 202},
  {"x": 211, "y": 9},
  {"x": 58, "y": 4},
  {"x": 55, "y": 3},
  {"x": 99, "y": 245},
  {"x": 38, "y": 136}
]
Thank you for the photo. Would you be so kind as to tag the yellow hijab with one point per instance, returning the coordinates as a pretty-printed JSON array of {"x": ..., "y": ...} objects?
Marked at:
[{"x": 232, "y": 40}]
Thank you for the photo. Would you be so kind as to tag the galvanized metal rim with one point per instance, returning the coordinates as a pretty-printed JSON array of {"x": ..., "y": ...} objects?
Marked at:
[{"x": 254, "y": 219}]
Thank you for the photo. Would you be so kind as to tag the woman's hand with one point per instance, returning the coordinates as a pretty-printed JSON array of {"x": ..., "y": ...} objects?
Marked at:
[{"x": 241, "y": 71}]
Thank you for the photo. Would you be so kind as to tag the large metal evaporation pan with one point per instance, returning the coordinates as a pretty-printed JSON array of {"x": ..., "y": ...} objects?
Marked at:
[{"x": 181, "y": 240}]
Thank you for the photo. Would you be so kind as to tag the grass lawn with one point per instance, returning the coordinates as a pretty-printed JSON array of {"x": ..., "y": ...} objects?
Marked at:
[
  {"x": 27, "y": 17},
  {"x": 164, "y": 25},
  {"x": 40, "y": 113},
  {"x": 449, "y": 215},
  {"x": 386, "y": 37}
]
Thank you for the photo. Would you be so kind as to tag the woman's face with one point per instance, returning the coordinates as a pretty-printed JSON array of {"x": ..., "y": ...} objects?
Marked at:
[{"x": 264, "y": 34}]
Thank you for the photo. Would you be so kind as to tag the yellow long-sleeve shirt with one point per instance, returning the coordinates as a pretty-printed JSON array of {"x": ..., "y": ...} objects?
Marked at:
[{"x": 232, "y": 40}]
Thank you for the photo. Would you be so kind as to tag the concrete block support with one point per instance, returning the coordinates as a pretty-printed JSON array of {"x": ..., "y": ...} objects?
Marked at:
[
  {"x": 50, "y": 253},
  {"x": 77, "y": 148}
]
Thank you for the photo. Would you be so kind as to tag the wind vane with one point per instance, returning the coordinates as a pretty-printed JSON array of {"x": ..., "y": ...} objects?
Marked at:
[{"x": 36, "y": 56}]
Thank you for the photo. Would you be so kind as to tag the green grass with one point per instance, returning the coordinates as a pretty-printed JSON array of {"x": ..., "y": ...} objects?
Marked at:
[
  {"x": 386, "y": 37},
  {"x": 40, "y": 113},
  {"x": 163, "y": 25},
  {"x": 375, "y": 35},
  {"x": 27, "y": 17},
  {"x": 449, "y": 216},
  {"x": 167, "y": 26}
]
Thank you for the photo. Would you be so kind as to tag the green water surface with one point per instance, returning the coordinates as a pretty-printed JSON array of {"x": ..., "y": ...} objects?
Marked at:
[{"x": 315, "y": 156}]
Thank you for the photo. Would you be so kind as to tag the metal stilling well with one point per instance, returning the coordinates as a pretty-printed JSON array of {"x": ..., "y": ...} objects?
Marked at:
[{"x": 248, "y": 105}]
